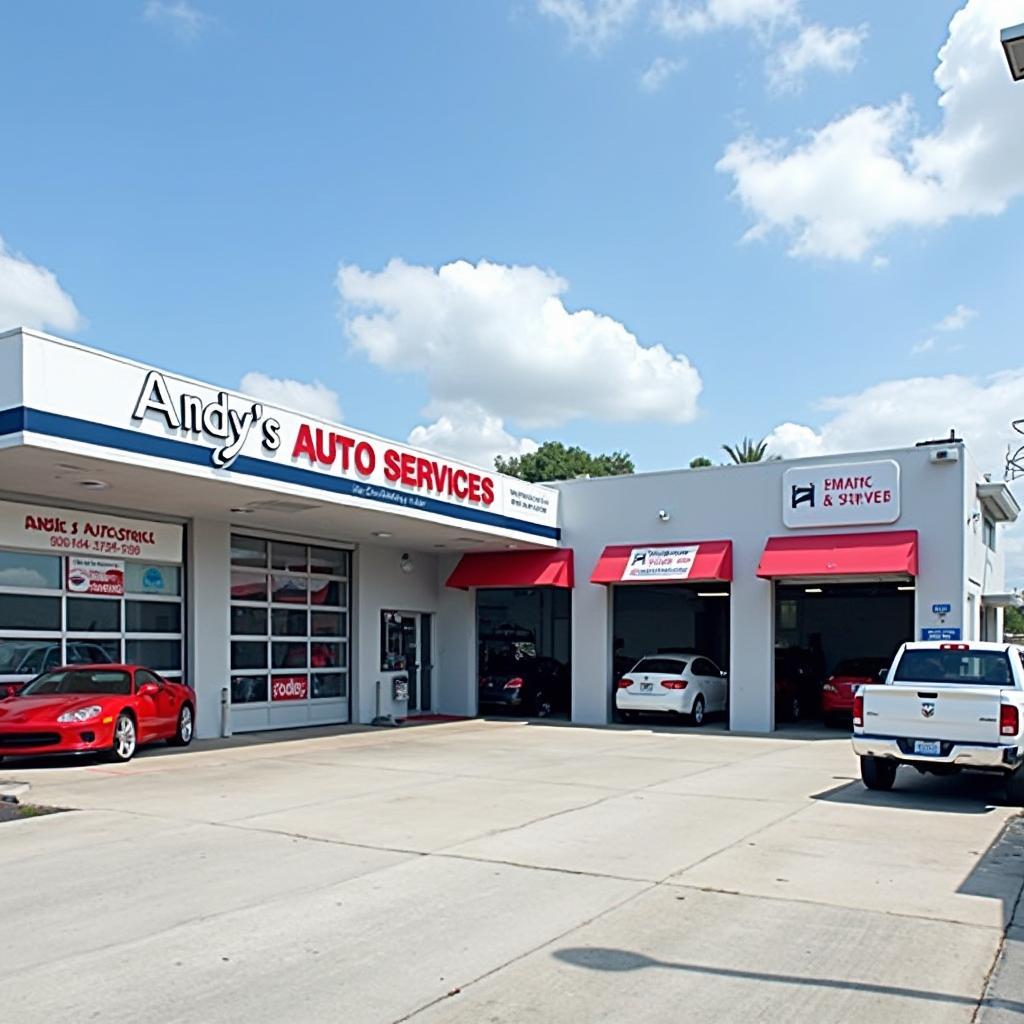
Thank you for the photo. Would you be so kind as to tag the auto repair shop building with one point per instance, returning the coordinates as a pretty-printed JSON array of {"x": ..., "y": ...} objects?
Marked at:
[{"x": 292, "y": 569}]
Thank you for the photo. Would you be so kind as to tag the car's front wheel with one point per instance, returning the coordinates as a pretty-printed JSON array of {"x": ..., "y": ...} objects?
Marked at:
[
  {"x": 877, "y": 773},
  {"x": 125, "y": 738},
  {"x": 697, "y": 711},
  {"x": 186, "y": 726}
]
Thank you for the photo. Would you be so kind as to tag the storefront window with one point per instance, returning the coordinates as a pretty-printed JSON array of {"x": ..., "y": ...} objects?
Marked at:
[
  {"x": 20, "y": 611},
  {"x": 39, "y": 572},
  {"x": 154, "y": 580},
  {"x": 298, "y": 613},
  {"x": 24, "y": 656},
  {"x": 248, "y": 689},
  {"x": 93, "y": 615},
  {"x": 162, "y": 655},
  {"x": 93, "y": 652},
  {"x": 249, "y": 551},
  {"x": 152, "y": 617}
]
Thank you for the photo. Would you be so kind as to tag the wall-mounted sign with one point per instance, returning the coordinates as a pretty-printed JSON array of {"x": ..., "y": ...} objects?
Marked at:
[
  {"x": 77, "y": 396},
  {"x": 95, "y": 576},
  {"x": 67, "y": 531},
  {"x": 661, "y": 563},
  {"x": 845, "y": 494},
  {"x": 289, "y": 687},
  {"x": 940, "y": 633},
  {"x": 941, "y": 609}
]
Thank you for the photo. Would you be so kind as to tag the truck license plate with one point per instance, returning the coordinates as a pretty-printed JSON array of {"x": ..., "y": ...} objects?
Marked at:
[
  {"x": 647, "y": 687},
  {"x": 931, "y": 747}
]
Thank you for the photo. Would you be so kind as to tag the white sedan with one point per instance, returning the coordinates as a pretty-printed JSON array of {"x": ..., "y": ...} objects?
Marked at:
[{"x": 679, "y": 684}]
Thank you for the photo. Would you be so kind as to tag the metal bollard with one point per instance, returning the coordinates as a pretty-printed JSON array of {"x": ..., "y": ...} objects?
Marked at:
[{"x": 225, "y": 712}]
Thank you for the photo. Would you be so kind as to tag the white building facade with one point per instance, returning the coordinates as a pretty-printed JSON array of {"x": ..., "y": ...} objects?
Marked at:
[{"x": 293, "y": 570}]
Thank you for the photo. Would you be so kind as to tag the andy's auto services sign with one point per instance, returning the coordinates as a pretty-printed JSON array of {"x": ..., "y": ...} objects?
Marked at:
[
  {"x": 844, "y": 494},
  {"x": 87, "y": 397}
]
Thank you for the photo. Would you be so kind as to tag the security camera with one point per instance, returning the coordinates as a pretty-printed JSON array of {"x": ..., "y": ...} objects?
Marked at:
[{"x": 664, "y": 516}]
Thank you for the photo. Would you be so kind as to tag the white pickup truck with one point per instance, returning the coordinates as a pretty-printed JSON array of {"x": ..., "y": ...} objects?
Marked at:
[{"x": 944, "y": 707}]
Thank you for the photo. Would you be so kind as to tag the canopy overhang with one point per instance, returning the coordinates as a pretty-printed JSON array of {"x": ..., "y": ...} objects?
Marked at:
[
  {"x": 514, "y": 569},
  {"x": 890, "y": 554},
  {"x": 680, "y": 562}
]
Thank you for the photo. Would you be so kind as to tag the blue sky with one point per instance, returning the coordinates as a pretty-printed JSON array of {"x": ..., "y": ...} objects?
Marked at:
[{"x": 195, "y": 173}]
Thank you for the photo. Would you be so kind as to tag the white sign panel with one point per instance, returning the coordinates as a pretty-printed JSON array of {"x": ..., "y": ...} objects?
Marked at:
[
  {"x": 845, "y": 494},
  {"x": 660, "y": 563},
  {"x": 66, "y": 531},
  {"x": 95, "y": 576},
  {"x": 98, "y": 399}
]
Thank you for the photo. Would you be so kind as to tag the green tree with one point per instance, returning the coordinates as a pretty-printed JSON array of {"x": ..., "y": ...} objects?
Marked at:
[
  {"x": 749, "y": 451},
  {"x": 553, "y": 461},
  {"x": 1013, "y": 621},
  {"x": 700, "y": 462}
]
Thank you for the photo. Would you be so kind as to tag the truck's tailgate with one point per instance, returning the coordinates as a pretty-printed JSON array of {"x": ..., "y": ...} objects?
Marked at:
[{"x": 963, "y": 714}]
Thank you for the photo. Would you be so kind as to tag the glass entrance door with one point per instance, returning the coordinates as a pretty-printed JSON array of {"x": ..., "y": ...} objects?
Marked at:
[{"x": 406, "y": 648}]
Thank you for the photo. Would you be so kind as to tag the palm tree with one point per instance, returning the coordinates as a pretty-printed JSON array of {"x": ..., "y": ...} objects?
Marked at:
[{"x": 747, "y": 451}]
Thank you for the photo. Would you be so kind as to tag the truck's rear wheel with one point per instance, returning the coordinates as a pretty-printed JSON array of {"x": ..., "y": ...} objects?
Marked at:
[
  {"x": 877, "y": 773},
  {"x": 1015, "y": 788}
]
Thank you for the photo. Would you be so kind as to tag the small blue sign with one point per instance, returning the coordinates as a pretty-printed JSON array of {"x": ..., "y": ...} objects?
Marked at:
[
  {"x": 941, "y": 633},
  {"x": 152, "y": 579},
  {"x": 941, "y": 609}
]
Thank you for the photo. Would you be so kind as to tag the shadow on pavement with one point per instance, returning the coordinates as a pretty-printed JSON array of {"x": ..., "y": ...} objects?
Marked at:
[
  {"x": 599, "y": 958},
  {"x": 967, "y": 793}
]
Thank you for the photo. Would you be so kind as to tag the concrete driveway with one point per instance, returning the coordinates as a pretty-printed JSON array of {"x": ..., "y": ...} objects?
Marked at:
[{"x": 503, "y": 872}]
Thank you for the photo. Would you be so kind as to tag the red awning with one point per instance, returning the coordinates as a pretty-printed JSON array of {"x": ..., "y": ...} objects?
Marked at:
[
  {"x": 514, "y": 569},
  {"x": 841, "y": 554},
  {"x": 693, "y": 561}
]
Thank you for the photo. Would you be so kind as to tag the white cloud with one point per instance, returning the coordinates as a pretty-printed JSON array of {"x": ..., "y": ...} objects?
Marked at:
[
  {"x": 184, "y": 20},
  {"x": 590, "y": 23},
  {"x": 958, "y": 319},
  {"x": 679, "y": 19},
  {"x": 815, "y": 48},
  {"x": 314, "y": 399},
  {"x": 501, "y": 338},
  {"x": 31, "y": 296},
  {"x": 898, "y": 413},
  {"x": 658, "y": 72},
  {"x": 867, "y": 173},
  {"x": 466, "y": 431},
  {"x": 928, "y": 345}
]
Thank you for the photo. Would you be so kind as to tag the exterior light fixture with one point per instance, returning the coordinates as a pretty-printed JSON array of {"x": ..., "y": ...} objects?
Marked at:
[
  {"x": 712, "y": 593},
  {"x": 1013, "y": 46},
  {"x": 664, "y": 515},
  {"x": 94, "y": 485},
  {"x": 908, "y": 587},
  {"x": 381, "y": 533},
  {"x": 406, "y": 564},
  {"x": 813, "y": 590},
  {"x": 241, "y": 511}
]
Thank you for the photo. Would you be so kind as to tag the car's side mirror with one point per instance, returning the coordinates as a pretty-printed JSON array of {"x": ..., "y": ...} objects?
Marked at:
[{"x": 148, "y": 690}]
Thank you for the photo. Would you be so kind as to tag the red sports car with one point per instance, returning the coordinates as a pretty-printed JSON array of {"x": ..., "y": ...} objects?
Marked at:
[
  {"x": 837, "y": 693},
  {"x": 109, "y": 709}
]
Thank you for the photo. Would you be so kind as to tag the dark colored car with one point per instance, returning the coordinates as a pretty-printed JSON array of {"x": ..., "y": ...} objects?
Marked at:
[
  {"x": 30, "y": 658},
  {"x": 528, "y": 686},
  {"x": 797, "y": 683}
]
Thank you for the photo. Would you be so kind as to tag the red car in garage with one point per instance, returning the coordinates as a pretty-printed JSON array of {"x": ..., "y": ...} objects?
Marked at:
[
  {"x": 108, "y": 709},
  {"x": 838, "y": 690}
]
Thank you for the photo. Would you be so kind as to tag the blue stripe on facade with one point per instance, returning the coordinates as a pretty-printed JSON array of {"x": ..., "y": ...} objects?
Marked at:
[{"x": 13, "y": 421}]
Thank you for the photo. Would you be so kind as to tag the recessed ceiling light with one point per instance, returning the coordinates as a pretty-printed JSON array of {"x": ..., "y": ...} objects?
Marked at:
[
  {"x": 242, "y": 511},
  {"x": 382, "y": 533},
  {"x": 813, "y": 590},
  {"x": 440, "y": 545},
  {"x": 68, "y": 466},
  {"x": 94, "y": 485},
  {"x": 511, "y": 547}
]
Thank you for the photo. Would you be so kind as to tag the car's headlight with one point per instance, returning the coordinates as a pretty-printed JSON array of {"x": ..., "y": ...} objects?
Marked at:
[{"x": 81, "y": 715}]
